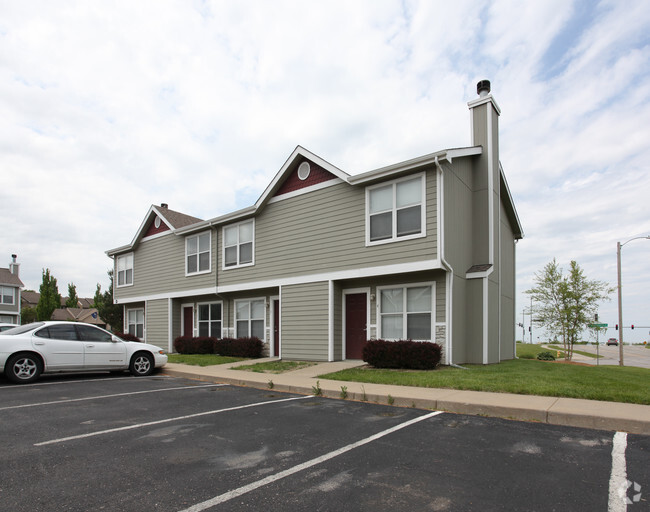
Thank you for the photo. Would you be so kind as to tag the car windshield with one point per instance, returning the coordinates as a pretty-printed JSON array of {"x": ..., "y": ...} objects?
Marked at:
[{"x": 23, "y": 328}]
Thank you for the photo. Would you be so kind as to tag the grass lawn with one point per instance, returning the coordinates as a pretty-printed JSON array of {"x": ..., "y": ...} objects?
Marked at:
[
  {"x": 522, "y": 376},
  {"x": 202, "y": 359},
  {"x": 274, "y": 366}
]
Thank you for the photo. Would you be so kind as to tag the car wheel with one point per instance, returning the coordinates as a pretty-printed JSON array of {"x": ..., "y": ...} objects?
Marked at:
[
  {"x": 142, "y": 364},
  {"x": 23, "y": 368}
]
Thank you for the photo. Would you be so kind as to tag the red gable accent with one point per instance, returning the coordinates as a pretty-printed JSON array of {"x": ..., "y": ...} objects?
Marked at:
[
  {"x": 153, "y": 230},
  {"x": 316, "y": 175}
]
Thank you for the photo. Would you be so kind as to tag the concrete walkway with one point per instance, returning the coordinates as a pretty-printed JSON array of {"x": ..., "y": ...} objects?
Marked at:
[{"x": 558, "y": 411}]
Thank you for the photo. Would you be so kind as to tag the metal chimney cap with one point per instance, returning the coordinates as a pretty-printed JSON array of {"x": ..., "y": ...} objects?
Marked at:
[
  {"x": 483, "y": 88},
  {"x": 164, "y": 205}
]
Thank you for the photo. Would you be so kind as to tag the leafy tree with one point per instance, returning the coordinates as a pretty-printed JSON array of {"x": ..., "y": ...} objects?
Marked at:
[
  {"x": 27, "y": 315},
  {"x": 50, "y": 298},
  {"x": 73, "y": 299},
  {"x": 565, "y": 304},
  {"x": 110, "y": 313},
  {"x": 98, "y": 299}
]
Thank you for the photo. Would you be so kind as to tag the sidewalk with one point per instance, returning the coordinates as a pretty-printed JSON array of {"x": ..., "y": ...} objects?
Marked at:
[{"x": 573, "y": 412}]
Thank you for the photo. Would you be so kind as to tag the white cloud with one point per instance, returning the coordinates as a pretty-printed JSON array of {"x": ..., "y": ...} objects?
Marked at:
[{"x": 108, "y": 108}]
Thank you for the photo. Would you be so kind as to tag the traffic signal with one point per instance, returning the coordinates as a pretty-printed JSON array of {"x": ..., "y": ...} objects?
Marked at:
[
  {"x": 617, "y": 327},
  {"x": 596, "y": 317},
  {"x": 632, "y": 326}
]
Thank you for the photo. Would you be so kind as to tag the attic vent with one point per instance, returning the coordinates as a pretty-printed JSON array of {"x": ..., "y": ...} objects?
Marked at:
[
  {"x": 303, "y": 171},
  {"x": 157, "y": 222}
]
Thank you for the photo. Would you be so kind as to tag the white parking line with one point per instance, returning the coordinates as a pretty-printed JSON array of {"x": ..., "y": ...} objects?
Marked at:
[
  {"x": 108, "y": 396},
  {"x": 300, "y": 467},
  {"x": 168, "y": 420},
  {"x": 618, "y": 478},
  {"x": 40, "y": 383}
]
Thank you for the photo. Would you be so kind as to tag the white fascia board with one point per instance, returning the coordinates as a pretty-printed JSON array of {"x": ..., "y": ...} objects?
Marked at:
[
  {"x": 192, "y": 228},
  {"x": 400, "y": 268},
  {"x": 232, "y": 217},
  {"x": 299, "y": 151},
  {"x": 485, "y": 99},
  {"x": 479, "y": 275},
  {"x": 169, "y": 295},
  {"x": 510, "y": 200},
  {"x": 414, "y": 163}
]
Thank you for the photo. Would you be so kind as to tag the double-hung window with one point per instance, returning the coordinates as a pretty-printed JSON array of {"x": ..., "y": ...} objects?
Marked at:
[
  {"x": 395, "y": 211},
  {"x": 198, "y": 253},
  {"x": 125, "y": 270},
  {"x": 7, "y": 295},
  {"x": 135, "y": 322},
  {"x": 238, "y": 244},
  {"x": 406, "y": 312},
  {"x": 249, "y": 318},
  {"x": 210, "y": 319}
]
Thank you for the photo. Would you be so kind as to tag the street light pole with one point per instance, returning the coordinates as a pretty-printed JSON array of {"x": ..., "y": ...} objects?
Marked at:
[{"x": 619, "y": 245}]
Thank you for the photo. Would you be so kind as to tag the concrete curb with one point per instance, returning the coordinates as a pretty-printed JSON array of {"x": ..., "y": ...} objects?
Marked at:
[{"x": 572, "y": 412}]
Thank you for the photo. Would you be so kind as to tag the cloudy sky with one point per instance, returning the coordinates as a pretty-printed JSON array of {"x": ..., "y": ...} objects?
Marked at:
[{"x": 109, "y": 107}]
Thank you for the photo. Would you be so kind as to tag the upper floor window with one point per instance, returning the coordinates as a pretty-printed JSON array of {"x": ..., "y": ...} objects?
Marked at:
[
  {"x": 6, "y": 295},
  {"x": 125, "y": 270},
  {"x": 406, "y": 313},
  {"x": 238, "y": 244},
  {"x": 395, "y": 211},
  {"x": 198, "y": 251},
  {"x": 210, "y": 319}
]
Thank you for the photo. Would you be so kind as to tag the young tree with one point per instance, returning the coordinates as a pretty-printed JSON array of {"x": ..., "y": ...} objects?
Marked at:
[
  {"x": 73, "y": 299},
  {"x": 98, "y": 299},
  {"x": 50, "y": 298},
  {"x": 110, "y": 313},
  {"x": 564, "y": 305}
]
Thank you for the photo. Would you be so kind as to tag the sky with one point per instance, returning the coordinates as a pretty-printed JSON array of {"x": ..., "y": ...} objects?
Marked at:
[{"x": 109, "y": 107}]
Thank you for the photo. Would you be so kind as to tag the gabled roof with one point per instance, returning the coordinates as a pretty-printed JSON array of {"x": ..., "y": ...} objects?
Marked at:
[
  {"x": 7, "y": 278},
  {"x": 174, "y": 220}
]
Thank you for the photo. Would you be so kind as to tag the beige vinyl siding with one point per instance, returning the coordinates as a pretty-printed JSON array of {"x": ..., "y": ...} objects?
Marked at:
[
  {"x": 11, "y": 309},
  {"x": 156, "y": 323},
  {"x": 507, "y": 263},
  {"x": 305, "y": 321},
  {"x": 325, "y": 231},
  {"x": 159, "y": 267}
]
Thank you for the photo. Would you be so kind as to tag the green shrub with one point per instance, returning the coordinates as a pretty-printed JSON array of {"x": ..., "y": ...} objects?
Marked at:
[
  {"x": 545, "y": 356},
  {"x": 406, "y": 354}
]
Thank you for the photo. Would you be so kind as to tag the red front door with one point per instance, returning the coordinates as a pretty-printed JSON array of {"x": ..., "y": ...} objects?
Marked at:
[
  {"x": 355, "y": 324},
  {"x": 188, "y": 322}
]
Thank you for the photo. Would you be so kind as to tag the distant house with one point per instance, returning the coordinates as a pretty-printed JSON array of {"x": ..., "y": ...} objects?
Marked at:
[
  {"x": 84, "y": 312},
  {"x": 324, "y": 260},
  {"x": 10, "y": 292}
]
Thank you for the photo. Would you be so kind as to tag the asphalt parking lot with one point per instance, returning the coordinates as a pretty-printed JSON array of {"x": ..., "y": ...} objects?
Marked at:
[{"x": 100, "y": 442}]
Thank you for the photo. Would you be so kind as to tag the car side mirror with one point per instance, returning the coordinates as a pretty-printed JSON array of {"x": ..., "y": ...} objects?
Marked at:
[{"x": 115, "y": 339}]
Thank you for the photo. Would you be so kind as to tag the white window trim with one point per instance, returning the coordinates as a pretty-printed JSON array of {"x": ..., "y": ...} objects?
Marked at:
[
  {"x": 432, "y": 284},
  {"x": 423, "y": 209},
  {"x": 223, "y": 243},
  {"x": 252, "y": 299},
  {"x": 13, "y": 295},
  {"x": 199, "y": 272},
  {"x": 144, "y": 322},
  {"x": 198, "y": 317},
  {"x": 117, "y": 271}
]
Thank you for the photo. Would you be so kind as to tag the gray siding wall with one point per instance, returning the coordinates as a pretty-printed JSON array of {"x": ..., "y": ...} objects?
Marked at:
[
  {"x": 508, "y": 267},
  {"x": 11, "y": 309},
  {"x": 305, "y": 320},
  {"x": 156, "y": 323},
  {"x": 324, "y": 231},
  {"x": 159, "y": 267}
]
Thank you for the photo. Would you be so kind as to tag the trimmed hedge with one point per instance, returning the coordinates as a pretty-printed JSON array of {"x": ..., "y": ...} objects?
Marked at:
[
  {"x": 405, "y": 354},
  {"x": 233, "y": 347},
  {"x": 127, "y": 337}
]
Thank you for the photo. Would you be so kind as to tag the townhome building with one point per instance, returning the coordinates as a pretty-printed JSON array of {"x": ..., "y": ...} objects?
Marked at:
[
  {"x": 10, "y": 289},
  {"x": 324, "y": 260}
]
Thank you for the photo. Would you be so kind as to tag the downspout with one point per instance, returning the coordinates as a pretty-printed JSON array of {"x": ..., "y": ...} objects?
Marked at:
[{"x": 449, "y": 281}]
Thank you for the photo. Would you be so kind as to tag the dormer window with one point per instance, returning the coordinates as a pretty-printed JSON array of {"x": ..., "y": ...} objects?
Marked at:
[
  {"x": 198, "y": 253},
  {"x": 395, "y": 211}
]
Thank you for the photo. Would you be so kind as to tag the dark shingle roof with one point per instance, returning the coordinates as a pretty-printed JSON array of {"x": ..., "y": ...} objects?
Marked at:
[{"x": 6, "y": 277}]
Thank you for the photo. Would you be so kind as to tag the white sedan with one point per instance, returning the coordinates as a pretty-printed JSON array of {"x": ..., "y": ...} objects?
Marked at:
[{"x": 44, "y": 347}]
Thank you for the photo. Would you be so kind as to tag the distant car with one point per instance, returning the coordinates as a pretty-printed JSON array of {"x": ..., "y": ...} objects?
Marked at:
[
  {"x": 4, "y": 327},
  {"x": 612, "y": 341},
  {"x": 44, "y": 347}
]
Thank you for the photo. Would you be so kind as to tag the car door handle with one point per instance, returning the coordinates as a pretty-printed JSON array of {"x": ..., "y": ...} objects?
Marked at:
[
  {"x": 39, "y": 343},
  {"x": 90, "y": 345}
]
